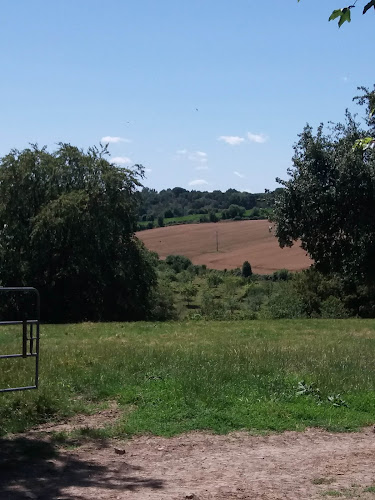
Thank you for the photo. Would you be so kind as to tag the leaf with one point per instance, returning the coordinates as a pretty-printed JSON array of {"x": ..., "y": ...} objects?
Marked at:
[
  {"x": 336, "y": 13},
  {"x": 368, "y": 6},
  {"x": 364, "y": 143},
  {"x": 345, "y": 16}
]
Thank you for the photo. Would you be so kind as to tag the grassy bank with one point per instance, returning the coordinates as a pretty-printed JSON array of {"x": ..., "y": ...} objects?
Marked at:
[{"x": 175, "y": 377}]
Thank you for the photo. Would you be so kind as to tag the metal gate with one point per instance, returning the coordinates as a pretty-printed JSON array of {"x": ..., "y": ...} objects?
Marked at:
[{"x": 29, "y": 334}]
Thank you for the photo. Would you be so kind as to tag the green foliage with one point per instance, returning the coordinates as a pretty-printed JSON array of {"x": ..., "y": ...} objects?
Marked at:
[
  {"x": 344, "y": 13},
  {"x": 67, "y": 222},
  {"x": 189, "y": 291},
  {"x": 333, "y": 307},
  {"x": 329, "y": 200},
  {"x": 161, "y": 221},
  {"x": 282, "y": 275},
  {"x": 284, "y": 302},
  {"x": 246, "y": 269},
  {"x": 178, "y": 204},
  {"x": 214, "y": 279},
  {"x": 178, "y": 262}
]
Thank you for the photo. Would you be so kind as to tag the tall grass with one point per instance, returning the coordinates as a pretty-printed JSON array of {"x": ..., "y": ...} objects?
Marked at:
[{"x": 174, "y": 377}]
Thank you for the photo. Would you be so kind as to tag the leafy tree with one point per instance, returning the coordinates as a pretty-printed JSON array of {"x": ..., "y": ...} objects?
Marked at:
[
  {"x": 344, "y": 14},
  {"x": 67, "y": 222},
  {"x": 246, "y": 269},
  {"x": 189, "y": 291},
  {"x": 168, "y": 214},
  {"x": 214, "y": 279},
  {"x": 329, "y": 201},
  {"x": 160, "y": 221},
  {"x": 178, "y": 262},
  {"x": 212, "y": 216}
]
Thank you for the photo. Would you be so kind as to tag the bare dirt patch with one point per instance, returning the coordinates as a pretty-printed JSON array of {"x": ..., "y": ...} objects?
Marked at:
[
  {"x": 98, "y": 420},
  {"x": 307, "y": 465},
  {"x": 237, "y": 241}
]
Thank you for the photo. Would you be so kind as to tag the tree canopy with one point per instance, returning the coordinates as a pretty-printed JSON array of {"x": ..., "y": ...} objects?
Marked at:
[
  {"x": 329, "y": 200},
  {"x": 67, "y": 222}
]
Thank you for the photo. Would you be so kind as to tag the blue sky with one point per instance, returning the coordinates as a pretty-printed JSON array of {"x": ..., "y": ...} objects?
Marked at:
[{"x": 206, "y": 94}]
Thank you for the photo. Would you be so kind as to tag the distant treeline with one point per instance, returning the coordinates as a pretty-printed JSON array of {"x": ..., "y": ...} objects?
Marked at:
[{"x": 178, "y": 202}]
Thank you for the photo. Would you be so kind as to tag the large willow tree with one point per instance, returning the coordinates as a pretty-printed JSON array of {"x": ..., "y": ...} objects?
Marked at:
[{"x": 67, "y": 222}]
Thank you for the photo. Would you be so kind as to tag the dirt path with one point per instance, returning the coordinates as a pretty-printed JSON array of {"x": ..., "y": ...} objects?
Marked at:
[
  {"x": 309, "y": 465},
  {"x": 237, "y": 241}
]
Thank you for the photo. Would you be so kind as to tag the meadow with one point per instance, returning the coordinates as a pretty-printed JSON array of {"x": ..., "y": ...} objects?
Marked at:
[{"x": 173, "y": 377}]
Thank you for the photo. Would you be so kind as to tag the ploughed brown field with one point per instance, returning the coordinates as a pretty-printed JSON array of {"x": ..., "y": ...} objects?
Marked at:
[{"x": 237, "y": 241}]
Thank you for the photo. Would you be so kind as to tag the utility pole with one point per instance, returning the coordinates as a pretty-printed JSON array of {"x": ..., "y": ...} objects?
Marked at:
[{"x": 217, "y": 241}]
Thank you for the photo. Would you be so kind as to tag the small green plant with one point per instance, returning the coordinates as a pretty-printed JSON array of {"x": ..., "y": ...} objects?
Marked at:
[
  {"x": 337, "y": 401},
  {"x": 304, "y": 389}
]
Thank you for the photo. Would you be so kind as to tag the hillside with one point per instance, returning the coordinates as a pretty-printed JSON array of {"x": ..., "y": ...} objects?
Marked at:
[{"x": 237, "y": 241}]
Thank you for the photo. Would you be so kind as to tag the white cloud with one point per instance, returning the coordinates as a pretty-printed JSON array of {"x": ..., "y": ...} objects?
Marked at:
[
  {"x": 201, "y": 167},
  {"x": 199, "y": 156},
  {"x": 258, "y": 138},
  {"x": 233, "y": 140},
  {"x": 181, "y": 151},
  {"x": 114, "y": 140},
  {"x": 148, "y": 170},
  {"x": 239, "y": 175},
  {"x": 121, "y": 160},
  {"x": 198, "y": 182}
]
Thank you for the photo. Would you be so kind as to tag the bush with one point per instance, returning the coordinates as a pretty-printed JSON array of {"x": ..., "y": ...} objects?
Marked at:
[
  {"x": 333, "y": 307},
  {"x": 214, "y": 279},
  {"x": 282, "y": 275},
  {"x": 246, "y": 269},
  {"x": 284, "y": 303},
  {"x": 178, "y": 262},
  {"x": 212, "y": 216}
]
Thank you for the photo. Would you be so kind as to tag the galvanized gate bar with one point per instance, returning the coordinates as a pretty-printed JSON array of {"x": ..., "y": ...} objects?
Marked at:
[{"x": 30, "y": 342}]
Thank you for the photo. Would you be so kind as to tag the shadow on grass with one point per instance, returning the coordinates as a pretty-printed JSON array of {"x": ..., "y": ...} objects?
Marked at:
[{"x": 35, "y": 468}]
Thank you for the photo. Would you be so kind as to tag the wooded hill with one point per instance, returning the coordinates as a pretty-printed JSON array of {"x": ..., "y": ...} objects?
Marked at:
[{"x": 179, "y": 202}]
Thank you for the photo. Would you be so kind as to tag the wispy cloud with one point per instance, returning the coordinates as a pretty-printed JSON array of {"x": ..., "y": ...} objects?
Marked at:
[
  {"x": 239, "y": 175},
  {"x": 201, "y": 167},
  {"x": 233, "y": 140},
  {"x": 121, "y": 160},
  {"x": 198, "y": 182},
  {"x": 148, "y": 170},
  {"x": 195, "y": 156},
  {"x": 258, "y": 138},
  {"x": 199, "y": 156},
  {"x": 114, "y": 140}
]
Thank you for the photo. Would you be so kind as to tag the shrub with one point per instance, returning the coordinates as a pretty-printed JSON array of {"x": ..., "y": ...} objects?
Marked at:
[
  {"x": 246, "y": 269},
  {"x": 178, "y": 262},
  {"x": 333, "y": 307},
  {"x": 284, "y": 303},
  {"x": 214, "y": 279},
  {"x": 282, "y": 275}
]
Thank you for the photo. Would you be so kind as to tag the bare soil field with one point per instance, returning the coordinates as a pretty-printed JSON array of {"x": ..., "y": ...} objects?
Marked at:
[
  {"x": 198, "y": 466},
  {"x": 237, "y": 241}
]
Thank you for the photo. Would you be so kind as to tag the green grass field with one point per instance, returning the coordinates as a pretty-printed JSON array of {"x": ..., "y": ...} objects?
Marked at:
[{"x": 175, "y": 377}]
